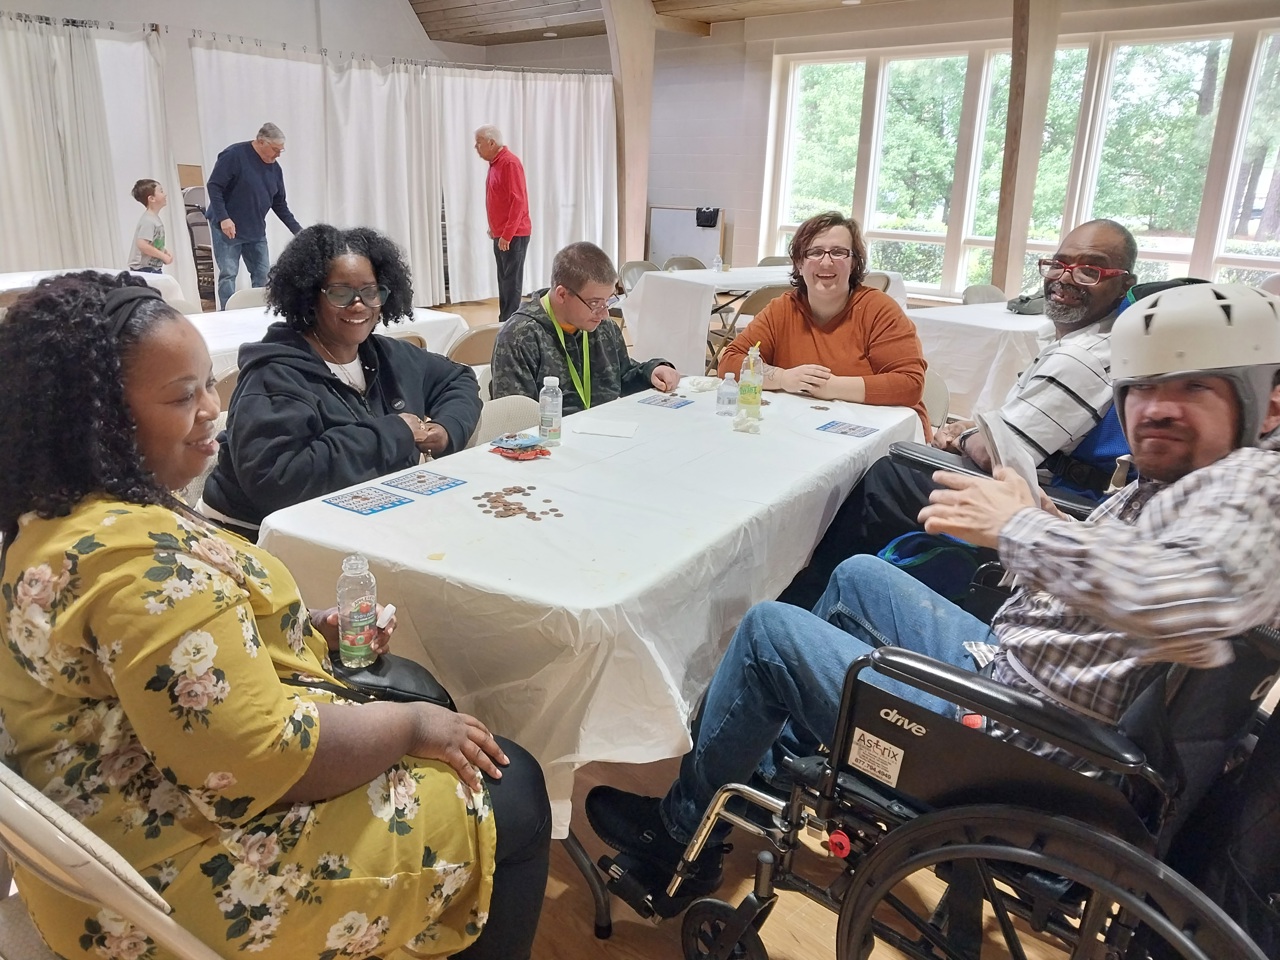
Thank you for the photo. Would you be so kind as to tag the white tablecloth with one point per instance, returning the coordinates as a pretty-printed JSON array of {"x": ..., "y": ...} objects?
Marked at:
[
  {"x": 753, "y": 278},
  {"x": 591, "y": 637},
  {"x": 226, "y": 330},
  {"x": 24, "y": 280},
  {"x": 979, "y": 349}
]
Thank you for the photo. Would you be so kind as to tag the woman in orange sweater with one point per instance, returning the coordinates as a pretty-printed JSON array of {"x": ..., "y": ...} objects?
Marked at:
[{"x": 831, "y": 338}]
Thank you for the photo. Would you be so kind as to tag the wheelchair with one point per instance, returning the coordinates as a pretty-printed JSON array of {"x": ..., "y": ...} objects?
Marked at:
[{"x": 961, "y": 845}]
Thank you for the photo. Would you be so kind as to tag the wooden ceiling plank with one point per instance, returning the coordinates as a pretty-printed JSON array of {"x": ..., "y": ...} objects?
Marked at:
[
  {"x": 499, "y": 15},
  {"x": 490, "y": 7},
  {"x": 538, "y": 23}
]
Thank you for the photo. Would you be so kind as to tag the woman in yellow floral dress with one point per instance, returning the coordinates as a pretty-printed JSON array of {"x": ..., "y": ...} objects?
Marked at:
[{"x": 156, "y": 683}]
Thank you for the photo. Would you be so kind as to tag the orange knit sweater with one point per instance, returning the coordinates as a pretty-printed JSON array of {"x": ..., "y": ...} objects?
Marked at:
[{"x": 871, "y": 338}]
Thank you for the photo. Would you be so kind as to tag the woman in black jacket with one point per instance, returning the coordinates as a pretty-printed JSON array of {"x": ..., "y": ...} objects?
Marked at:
[{"x": 323, "y": 402}]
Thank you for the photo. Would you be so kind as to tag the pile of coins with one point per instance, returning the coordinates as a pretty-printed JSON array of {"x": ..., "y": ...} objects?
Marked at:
[
  {"x": 505, "y": 503},
  {"x": 817, "y": 406}
]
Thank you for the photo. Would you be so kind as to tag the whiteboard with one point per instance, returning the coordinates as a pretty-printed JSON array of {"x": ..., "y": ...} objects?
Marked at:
[{"x": 673, "y": 231}]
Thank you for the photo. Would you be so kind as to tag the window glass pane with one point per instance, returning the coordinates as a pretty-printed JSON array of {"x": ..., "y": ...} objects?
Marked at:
[
  {"x": 978, "y": 269},
  {"x": 1066, "y": 87},
  {"x": 1160, "y": 115},
  {"x": 921, "y": 119},
  {"x": 1242, "y": 275},
  {"x": 826, "y": 112},
  {"x": 1148, "y": 271},
  {"x": 919, "y": 263},
  {"x": 1254, "y": 224}
]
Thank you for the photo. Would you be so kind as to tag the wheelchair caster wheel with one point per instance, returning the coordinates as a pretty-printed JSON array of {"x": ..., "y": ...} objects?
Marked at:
[{"x": 704, "y": 925}]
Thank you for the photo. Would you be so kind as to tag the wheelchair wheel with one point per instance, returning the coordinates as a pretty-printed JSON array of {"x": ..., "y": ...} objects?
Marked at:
[
  {"x": 973, "y": 883},
  {"x": 704, "y": 923}
]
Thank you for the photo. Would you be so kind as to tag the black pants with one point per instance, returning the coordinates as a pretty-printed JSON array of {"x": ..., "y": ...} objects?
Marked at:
[
  {"x": 510, "y": 275},
  {"x": 883, "y": 506},
  {"x": 522, "y": 814}
]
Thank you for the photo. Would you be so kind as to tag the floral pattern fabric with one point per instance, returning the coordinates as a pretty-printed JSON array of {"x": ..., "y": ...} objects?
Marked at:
[{"x": 143, "y": 693}]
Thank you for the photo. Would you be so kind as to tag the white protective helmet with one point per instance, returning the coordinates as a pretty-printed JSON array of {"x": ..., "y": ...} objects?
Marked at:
[{"x": 1208, "y": 329}]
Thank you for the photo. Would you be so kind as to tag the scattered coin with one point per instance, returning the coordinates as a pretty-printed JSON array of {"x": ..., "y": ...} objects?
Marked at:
[{"x": 820, "y": 407}]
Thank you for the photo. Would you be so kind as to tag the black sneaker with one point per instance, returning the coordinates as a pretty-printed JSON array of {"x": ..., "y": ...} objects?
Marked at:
[{"x": 632, "y": 825}]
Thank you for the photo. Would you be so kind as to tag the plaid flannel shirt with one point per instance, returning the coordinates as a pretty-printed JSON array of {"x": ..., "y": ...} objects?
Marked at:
[{"x": 1158, "y": 573}]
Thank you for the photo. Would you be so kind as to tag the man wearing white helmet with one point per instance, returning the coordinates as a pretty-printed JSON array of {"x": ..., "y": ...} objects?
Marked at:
[{"x": 1169, "y": 569}]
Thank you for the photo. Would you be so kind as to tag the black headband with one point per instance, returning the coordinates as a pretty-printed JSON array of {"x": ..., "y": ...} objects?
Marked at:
[{"x": 123, "y": 302}]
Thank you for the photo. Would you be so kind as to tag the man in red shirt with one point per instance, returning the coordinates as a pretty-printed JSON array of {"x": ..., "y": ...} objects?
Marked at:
[{"x": 506, "y": 200}]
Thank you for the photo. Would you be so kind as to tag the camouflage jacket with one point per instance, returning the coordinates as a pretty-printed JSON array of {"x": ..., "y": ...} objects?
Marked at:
[{"x": 528, "y": 350}]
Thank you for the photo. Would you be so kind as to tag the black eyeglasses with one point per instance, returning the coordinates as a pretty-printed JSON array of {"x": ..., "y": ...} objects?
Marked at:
[
  {"x": 1085, "y": 274},
  {"x": 341, "y": 295},
  {"x": 835, "y": 253},
  {"x": 595, "y": 305}
]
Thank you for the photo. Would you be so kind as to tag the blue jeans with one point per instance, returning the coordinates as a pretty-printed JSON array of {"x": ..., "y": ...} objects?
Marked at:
[
  {"x": 786, "y": 667},
  {"x": 227, "y": 255}
]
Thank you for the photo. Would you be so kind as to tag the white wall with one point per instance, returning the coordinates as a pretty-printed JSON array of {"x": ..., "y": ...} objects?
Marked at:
[{"x": 381, "y": 28}]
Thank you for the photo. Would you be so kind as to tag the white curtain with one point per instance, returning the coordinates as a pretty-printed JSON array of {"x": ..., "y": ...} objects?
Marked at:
[
  {"x": 466, "y": 102},
  {"x": 384, "y": 170},
  {"x": 561, "y": 126},
  {"x": 57, "y": 204},
  {"x": 381, "y": 145},
  {"x": 569, "y": 135},
  {"x": 132, "y": 68},
  {"x": 240, "y": 85}
]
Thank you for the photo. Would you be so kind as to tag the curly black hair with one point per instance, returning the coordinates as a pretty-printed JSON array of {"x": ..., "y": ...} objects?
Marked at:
[
  {"x": 65, "y": 429},
  {"x": 294, "y": 283}
]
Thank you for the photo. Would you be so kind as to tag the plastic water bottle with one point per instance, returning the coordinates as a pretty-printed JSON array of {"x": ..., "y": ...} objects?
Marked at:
[
  {"x": 752, "y": 384},
  {"x": 727, "y": 396},
  {"x": 717, "y": 264},
  {"x": 550, "y": 411},
  {"x": 357, "y": 612}
]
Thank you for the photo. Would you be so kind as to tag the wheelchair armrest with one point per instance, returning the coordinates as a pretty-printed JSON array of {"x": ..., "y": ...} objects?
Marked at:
[
  {"x": 1086, "y": 738},
  {"x": 922, "y": 457}
]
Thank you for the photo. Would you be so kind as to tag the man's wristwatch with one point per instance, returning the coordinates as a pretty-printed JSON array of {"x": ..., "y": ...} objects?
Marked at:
[{"x": 963, "y": 437}]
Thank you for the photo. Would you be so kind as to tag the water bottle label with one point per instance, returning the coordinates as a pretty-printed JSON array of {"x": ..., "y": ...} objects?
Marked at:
[
  {"x": 549, "y": 427},
  {"x": 356, "y": 629}
]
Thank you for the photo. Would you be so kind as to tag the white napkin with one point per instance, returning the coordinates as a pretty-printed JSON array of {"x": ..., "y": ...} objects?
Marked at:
[
  {"x": 606, "y": 428},
  {"x": 699, "y": 384}
]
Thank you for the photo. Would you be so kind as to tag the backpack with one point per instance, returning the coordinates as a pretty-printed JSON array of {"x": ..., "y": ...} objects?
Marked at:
[{"x": 942, "y": 563}]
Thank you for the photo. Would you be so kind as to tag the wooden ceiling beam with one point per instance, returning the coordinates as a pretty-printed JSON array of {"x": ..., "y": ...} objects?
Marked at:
[{"x": 697, "y": 28}]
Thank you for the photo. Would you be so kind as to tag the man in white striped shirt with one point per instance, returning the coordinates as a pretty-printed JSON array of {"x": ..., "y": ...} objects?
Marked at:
[
  {"x": 1168, "y": 570},
  {"x": 1056, "y": 402}
]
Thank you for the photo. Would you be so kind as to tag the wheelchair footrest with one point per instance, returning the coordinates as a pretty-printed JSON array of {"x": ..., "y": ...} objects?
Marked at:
[{"x": 642, "y": 886}]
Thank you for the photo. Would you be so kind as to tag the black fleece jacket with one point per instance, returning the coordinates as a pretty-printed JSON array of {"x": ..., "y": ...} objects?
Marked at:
[{"x": 295, "y": 431}]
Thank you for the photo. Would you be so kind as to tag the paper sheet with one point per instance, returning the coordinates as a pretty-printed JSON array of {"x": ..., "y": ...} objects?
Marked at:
[
  {"x": 1006, "y": 451},
  {"x": 606, "y": 428}
]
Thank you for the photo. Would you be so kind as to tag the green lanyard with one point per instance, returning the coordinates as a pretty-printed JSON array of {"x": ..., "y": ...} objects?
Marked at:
[{"x": 583, "y": 394}]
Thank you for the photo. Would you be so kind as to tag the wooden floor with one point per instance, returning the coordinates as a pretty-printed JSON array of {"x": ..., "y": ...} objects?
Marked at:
[{"x": 797, "y": 929}]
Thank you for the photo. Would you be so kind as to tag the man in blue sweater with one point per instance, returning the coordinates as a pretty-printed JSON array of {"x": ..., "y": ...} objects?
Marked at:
[{"x": 246, "y": 182}]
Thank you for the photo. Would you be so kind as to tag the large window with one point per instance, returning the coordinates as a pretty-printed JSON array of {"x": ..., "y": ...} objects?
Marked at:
[
  {"x": 822, "y": 150},
  {"x": 1252, "y": 233},
  {"x": 1060, "y": 125},
  {"x": 920, "y": 129},
  {"x": 1161, "y": 109},
  {"x": 1139, "y": 128}
]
